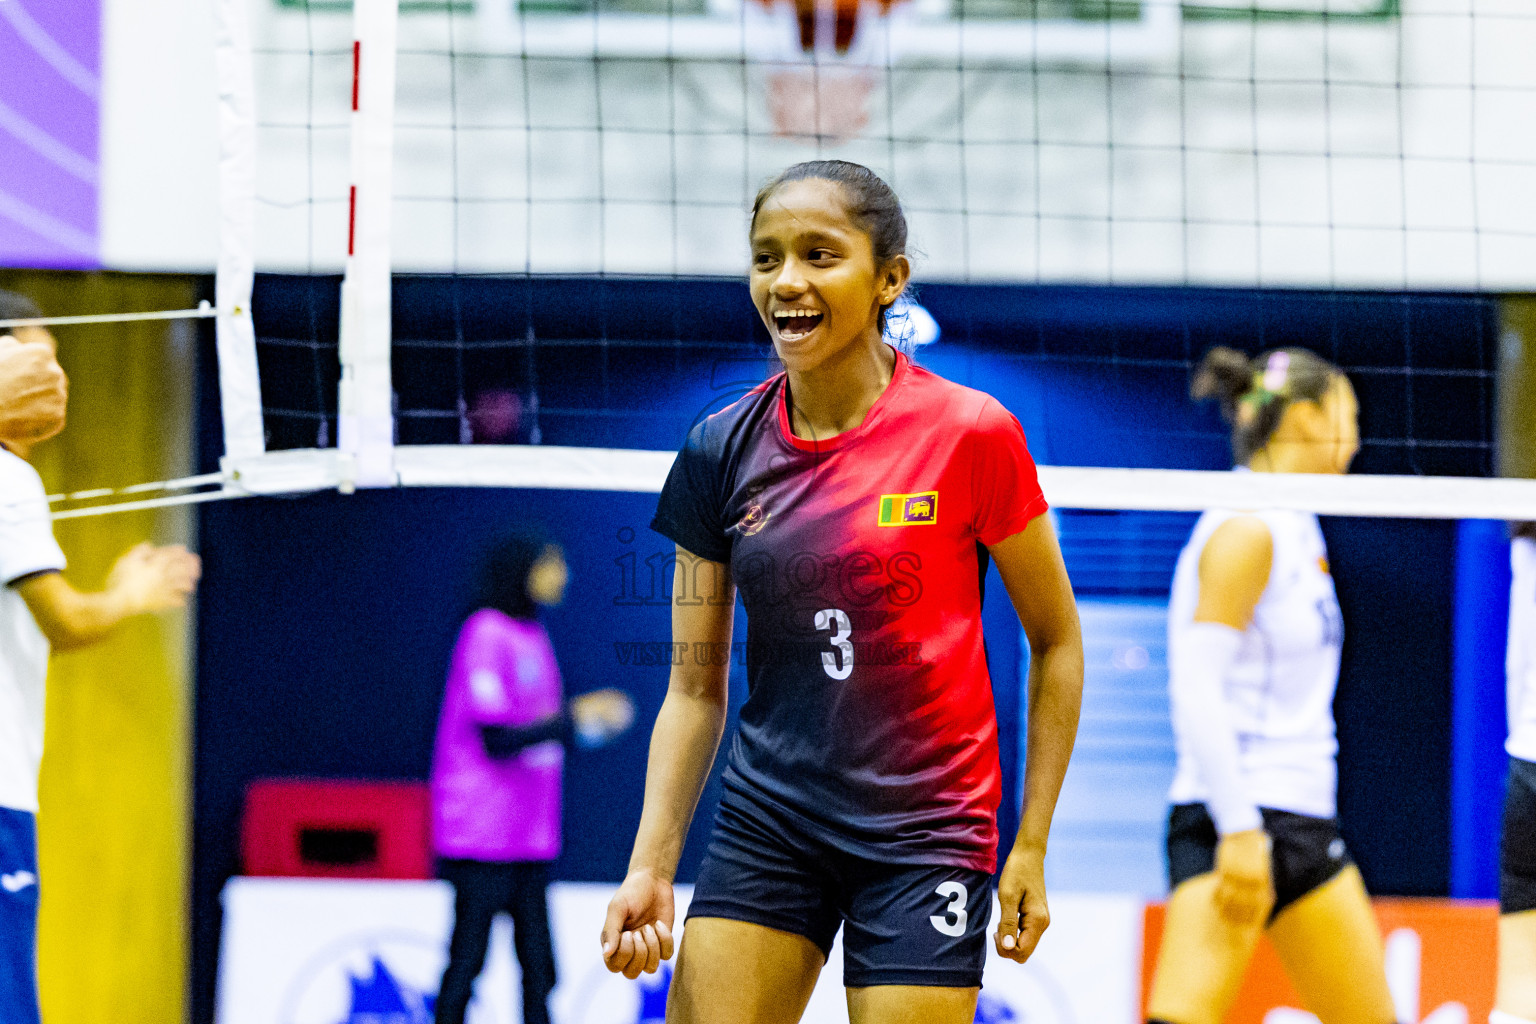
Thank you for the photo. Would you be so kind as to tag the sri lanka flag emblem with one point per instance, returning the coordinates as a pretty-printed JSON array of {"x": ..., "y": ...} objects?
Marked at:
[{"x": 909, "y": 509}]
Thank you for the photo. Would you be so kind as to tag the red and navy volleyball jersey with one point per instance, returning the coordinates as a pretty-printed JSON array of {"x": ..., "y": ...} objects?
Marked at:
[{"x": 859, "y": 560}]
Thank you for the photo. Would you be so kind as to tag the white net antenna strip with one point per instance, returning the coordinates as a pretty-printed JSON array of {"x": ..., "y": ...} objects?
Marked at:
[
  {"x": 366, "y": 399},
  {"x": 239, "y": 378}
]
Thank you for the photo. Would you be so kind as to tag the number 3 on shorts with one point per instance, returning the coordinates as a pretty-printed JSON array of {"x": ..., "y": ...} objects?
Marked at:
[{"x": 957, "y": 895}]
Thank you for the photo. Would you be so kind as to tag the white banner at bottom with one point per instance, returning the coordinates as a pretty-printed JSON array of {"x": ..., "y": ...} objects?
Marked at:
[{"x": 305, "y": 951}]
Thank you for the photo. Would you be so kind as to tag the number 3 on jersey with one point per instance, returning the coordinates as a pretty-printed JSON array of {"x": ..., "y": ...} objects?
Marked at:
[
  {"x": 953, "y": 921},
  {"x": 839, "y": 663}
]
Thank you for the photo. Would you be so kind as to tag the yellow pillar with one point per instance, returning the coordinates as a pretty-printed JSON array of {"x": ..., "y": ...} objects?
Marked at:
[
  {"x": 1517, "y": 388},
  {"x": 113, "y": 831}
]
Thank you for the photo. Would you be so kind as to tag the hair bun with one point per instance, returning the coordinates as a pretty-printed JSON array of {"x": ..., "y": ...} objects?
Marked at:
[{"x": 1225, "y": 374}]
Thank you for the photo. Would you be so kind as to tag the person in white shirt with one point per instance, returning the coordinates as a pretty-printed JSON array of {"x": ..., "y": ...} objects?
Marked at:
[
  {"x": 1254, "y": 636},
  {"x": 1516, "y": 1000},
  {"x": 39, "y": 610}
]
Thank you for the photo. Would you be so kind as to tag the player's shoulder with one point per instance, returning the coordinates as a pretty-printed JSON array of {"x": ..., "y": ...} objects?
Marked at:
[
  {"x": 1234, "y": 539},
  {"x": 716, "y": 432},
  {"x": 966, "y": 407},
  {"x": 17, "y": 477},
  {"x": 22, "y": 496}
]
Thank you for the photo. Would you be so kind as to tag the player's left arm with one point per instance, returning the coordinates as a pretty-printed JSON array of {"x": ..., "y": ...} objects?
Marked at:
[
  {"x": 146, "y": 579},
  {"x": 1036, "y": 579}
]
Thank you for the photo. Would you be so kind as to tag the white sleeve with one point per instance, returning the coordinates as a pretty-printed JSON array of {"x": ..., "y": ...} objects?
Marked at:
[
  {"x": 26, "y": 532},
  {"x": 1518, "y": 662},
  {"x": 1196, "y": 689}
]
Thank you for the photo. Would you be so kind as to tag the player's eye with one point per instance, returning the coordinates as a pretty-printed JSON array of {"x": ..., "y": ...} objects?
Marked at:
[
  {"x": 821, "y": 255},
  {"x": 764, "y": 260}
]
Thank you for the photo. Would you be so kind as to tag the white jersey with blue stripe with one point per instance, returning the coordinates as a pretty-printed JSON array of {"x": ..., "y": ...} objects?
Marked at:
[{"x": 1279, "y": 690}]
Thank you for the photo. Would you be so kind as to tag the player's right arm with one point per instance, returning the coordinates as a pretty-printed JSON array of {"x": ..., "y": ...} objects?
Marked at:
[
  {"x": 146, "y": 579},
  {"x": 1234, "y": 572},
  {"x": 637, "y": 934}
]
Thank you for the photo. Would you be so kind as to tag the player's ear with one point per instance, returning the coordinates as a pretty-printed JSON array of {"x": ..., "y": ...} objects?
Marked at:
[{"x": 893, "y": 279}]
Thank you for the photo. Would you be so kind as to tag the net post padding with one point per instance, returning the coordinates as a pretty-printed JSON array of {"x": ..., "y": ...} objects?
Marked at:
[
  {"x": 366, "y": 424},
  {"x": 239, "y": 380}
]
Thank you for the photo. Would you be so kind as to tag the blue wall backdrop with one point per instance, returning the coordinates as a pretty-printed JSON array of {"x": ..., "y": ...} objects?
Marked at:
[{"x": 325, "y": 621}]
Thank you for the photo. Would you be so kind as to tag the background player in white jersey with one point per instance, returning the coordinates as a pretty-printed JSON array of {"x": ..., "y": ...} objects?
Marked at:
[
  {"x": 1516, "y": 1000},
  {"x": 38, "y": 609},
  {"x": 1254, "y": 635}
]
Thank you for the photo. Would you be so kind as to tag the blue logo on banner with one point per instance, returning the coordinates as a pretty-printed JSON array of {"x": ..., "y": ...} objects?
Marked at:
[
  {"x": 653, "y": 996},
  {"x": 381, "y": 999},
  {"x": 990, "y": 1010}
]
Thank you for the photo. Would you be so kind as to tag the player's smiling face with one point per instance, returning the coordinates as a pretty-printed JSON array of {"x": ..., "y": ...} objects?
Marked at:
[{"x": 814, "y": 278}]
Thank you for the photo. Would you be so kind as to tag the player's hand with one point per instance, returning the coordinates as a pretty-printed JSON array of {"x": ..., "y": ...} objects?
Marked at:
[
  {"x": 33, "y": 391},
  {"x": 1245, "y": 889},
  {"x": 151, "y": 579},
  {"x": 637, "y": 936},
  {"x": 601, "y": 716},
  {"x": 1021, "y": 892}
]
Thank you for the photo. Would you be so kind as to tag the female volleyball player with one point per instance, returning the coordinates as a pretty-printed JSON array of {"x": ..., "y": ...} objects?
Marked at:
[
  {"x": 39, "y": 610},
  {"x": 854, "y": 499},
  {"x": 496, "y": 770},
  {"x": 1516, "y": 1000},
  {"x": 1254, "y": 635}
]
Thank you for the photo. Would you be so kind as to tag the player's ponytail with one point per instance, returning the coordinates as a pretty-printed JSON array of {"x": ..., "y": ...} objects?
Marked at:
[
  {"x": 1523, "y": 531},
  {"x": 1254, "y": 394},
  {"x": 871, "y": 203}
]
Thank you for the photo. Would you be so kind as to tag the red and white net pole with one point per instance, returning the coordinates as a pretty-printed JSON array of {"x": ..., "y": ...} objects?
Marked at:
[{"x": 366, "y": 400}]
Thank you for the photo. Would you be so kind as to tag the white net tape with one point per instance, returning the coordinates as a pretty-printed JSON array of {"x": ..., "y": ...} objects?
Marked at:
[{"x": 612, "y": 469}]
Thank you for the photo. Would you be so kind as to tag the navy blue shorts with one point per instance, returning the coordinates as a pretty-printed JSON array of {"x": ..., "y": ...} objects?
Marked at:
[
  {"x": 18, "y": 917},
  {"x": 1517, "y": 846},
  {"x": 903, "y": 924},
  {"x": 1306, "y": 852}
]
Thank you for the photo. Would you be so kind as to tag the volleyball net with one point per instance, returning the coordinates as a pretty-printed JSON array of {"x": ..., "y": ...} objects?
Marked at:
[{"x": 500, "y": 242}]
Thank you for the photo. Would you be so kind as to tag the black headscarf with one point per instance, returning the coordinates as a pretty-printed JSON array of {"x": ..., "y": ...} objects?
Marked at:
[{"x": 504, "y": 573}]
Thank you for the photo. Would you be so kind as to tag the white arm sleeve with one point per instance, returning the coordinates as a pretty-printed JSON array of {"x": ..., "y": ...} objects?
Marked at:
[
  {"x": 1518, "y": 665},
  {"x": 1196, "y": 690},
  {"x": 1514, "y": 665}
]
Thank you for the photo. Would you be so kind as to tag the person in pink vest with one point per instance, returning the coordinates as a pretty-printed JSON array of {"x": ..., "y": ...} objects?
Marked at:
[{"x": 497, "y": 765}]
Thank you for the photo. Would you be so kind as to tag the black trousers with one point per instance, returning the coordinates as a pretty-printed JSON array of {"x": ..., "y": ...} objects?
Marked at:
[{"x": 481, "y": 890}]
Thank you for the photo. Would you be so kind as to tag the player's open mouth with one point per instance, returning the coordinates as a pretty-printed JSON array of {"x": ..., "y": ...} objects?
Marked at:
[{"x": 794, "y": 324}]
